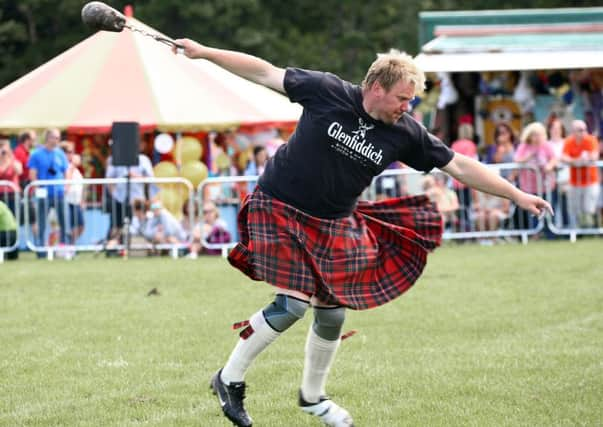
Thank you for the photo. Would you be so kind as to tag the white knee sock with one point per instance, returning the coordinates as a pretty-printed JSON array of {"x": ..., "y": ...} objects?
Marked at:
[
  {"x": 247, "y": 350},
  {"x": 319, "y": 357}
]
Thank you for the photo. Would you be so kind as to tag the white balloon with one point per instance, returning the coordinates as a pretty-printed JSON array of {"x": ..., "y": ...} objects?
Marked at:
[
  {"x": 523, "y": 94},
  {"x": 448, "y": 93},
  {"x": 163, "y": 143}
]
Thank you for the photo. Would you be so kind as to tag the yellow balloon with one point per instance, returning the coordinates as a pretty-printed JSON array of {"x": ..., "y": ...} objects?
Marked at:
[
  {"x": 165, "y": 170},
  {"x": 243, "y": 160},
  {"x": 223, "y": 161},
  {"x": 188, "y": 149},
  {"x": 195, "y": 172},
  {"x": 172, "y": 201}
]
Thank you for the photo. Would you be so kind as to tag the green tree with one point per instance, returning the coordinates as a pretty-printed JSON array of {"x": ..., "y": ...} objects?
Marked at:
[
  {"x": 339, "y": 36},
  {"x": 33, "y": 31}
]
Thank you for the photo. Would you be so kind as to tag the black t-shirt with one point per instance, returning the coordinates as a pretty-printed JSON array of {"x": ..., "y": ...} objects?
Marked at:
[{"x": 337, "y": 148}]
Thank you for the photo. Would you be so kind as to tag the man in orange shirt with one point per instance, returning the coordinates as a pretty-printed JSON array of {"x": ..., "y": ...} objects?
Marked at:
[{"x": 580, "y": 152}]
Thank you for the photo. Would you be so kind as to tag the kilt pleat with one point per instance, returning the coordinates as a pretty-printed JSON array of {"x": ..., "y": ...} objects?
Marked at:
[{"x": 361, "y": 261}]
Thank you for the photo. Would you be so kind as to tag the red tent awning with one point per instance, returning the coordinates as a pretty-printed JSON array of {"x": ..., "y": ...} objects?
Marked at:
[{"x": 129, "y": 77}]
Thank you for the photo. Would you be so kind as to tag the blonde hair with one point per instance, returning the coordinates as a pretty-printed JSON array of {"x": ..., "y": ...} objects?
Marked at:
[
  {"x": 531, "y": 129},
  {"x": 211, "y": 206},
  {"x": 391, "y": 67},
  {"x": 67, "y": 145}
]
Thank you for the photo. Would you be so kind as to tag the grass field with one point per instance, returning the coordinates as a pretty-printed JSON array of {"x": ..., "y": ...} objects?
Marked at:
[{"x": 507, "y": 335}]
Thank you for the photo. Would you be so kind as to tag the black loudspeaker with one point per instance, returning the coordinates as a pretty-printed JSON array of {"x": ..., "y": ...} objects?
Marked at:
[{"x": 126, "y": 139}]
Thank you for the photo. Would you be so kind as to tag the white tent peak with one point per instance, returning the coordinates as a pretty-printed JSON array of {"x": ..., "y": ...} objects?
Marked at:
[{"x": 128, "y": 76}]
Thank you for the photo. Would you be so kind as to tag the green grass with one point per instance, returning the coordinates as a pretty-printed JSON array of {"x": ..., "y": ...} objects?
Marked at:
[{"x": 507, "y": 335}]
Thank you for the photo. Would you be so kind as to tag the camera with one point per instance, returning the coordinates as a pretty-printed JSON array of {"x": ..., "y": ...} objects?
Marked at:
[{"x": 52, "y": 171}]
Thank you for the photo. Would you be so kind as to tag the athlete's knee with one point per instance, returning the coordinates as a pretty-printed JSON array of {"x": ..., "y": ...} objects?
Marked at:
[
  {"x": 284, "y": 312},
  {"x": 328, "y": 322}
]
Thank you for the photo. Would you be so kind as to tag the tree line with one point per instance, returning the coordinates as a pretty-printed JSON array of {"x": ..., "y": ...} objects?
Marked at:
[{"x": 341, "y": 36}]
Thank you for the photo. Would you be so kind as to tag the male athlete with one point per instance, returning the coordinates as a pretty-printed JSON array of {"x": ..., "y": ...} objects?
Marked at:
[{"x": 303, "y": 229}]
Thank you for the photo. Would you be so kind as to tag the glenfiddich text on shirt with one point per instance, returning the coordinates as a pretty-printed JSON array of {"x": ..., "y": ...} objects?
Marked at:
[{"x": 357, "y": 141}]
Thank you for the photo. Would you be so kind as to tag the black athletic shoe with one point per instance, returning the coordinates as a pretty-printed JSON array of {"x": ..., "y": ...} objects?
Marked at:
[{"x": 231, "y": 400}]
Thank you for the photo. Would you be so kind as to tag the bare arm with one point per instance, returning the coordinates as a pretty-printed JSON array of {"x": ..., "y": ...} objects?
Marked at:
[
  {"x": 247, "y": 66},
  {"x": 478, "y": 176},
  {"x": 18, "y": 166},
  {"x": 594, "y": 154},
  {"x": 551, "y": 164},
  {"x": 521, "y": 156},
  {"x": 568, "y": 160}
]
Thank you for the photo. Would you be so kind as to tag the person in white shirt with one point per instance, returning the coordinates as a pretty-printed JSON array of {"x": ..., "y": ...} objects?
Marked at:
[
  {"x": 116, "y": 206},
  {"x": 74, "y": 192}
]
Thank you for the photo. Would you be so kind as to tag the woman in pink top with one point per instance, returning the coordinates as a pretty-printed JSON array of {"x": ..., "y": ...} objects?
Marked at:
[{"x": 534, "y": 150}]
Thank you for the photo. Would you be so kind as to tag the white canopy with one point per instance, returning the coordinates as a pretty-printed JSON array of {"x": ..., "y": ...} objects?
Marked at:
[
  {"x": 502, "y": 61},
  {"x": 504, "y": 48}
]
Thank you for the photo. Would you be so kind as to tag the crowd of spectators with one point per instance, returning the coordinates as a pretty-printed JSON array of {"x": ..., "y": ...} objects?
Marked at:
[
  {"x": 545, "y": 159},
  {"x": 540, "y": 158},
  {"x": 546, "y": 162},
  {"x": 56, "y": 216}
]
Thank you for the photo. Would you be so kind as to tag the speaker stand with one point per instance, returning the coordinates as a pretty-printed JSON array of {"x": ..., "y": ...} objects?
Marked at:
[{"x": 127, "y": 219}]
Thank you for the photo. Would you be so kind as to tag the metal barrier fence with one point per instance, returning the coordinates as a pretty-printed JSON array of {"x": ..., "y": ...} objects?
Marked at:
[
  {"x": 63, "y": 217},
  {"x": 578, "y": 201},
  {"x": 10, "y": 212},
  {"x": 468, "y": 214},
  {"x": 578, "y": 205}
]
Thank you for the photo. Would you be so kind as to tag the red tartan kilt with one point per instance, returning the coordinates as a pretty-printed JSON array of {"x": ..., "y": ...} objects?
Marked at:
[{"x": 361, "y": 261}]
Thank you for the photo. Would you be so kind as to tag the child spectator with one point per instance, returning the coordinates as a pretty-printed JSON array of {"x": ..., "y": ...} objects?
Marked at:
[
  {"x": 162, "y": 227},
  {"x": 445, "y": 199},
  {"x": 212, "y": 228}
]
